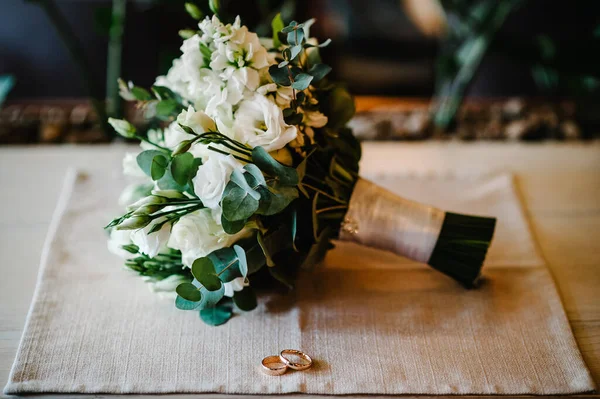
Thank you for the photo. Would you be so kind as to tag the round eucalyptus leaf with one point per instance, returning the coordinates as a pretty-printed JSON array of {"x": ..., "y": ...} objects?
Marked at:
[
  {"x": 189, "y": 292},
  {"x": 184, "y": 304},
  {"x": 242, "y": 262},
  {"x": 216, "y": 316},
  {"x": 245, "y": 299},
  {"x": 204, "y": 271}
]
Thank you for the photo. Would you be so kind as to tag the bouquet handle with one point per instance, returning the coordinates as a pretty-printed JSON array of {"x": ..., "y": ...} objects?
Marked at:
[{"x": 452, "y": 243}]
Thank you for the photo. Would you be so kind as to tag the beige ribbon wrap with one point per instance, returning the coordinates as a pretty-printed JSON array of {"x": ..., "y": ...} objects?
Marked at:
[{"x": 381, "y": 219}]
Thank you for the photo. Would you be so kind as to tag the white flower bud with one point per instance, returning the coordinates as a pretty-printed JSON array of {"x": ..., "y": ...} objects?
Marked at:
[
  {"x": 135, "y": 222},
  {"x": 123, "y": 127}
]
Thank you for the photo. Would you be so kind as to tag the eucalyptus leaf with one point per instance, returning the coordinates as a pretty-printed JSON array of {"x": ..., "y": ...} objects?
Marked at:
[
  {"x": 182, "y": 168},
  {"x": 204, "y": 271},
  {"x": 341, "y": 108},
  {"x": 232, "y": 227},
  {"x": 211, "y": 298},
  {"x": 226, "y": 264},
  {"x": 242, "y": 262},
  {"x": 280, "y": 75},
  {"x": 158, "y": 167},
  {"x": 167, "y": 182},
  {"x": 144, "y": 160},
  {"x": 184, "y": 304},
  {"x": 265, "y": 162},
  {"x": 245, "y": 299},
  {"x": 295, "y": 37},
  {"x": 240, "y": 201},
  {"x": 216, "y": 316},
  {"x": 319, "y": 71},
  {"x": 290, "y": 28},
  {"x": 189, "y": 292},
  {"x": 302, "y": 81},
  {"x": 294, "y": 51},
  {"x": 275, "y": 199}
]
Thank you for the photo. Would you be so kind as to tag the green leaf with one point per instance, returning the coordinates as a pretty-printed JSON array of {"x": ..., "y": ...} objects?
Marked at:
[
  {"x": 318, "y": 250},
  {"x": 164, "y": 93},
  {"x": 211, "y": 298},
  {"x": 291, "y": 117},
  {"x": 194, "y": 11},
  {"x": 242, "y": 262},
  {"x": 158, "y": 167},
  {"x": 290, "y": 28},
  {"x": 245, "y": 299},
  {"x": 216, "y": 316},
  {"x": 215, "y": 6},
  {"x": 280, "y": 75},
  {"x": 294, "y": 227},
  {"x": 277, "y": 25},
  {"x": 240, "y": 201},
  {"x": 294, "y": 51},
  {"x": 302, "y": 81},
  {"x": 204, "y": 271},
  {"x": 182, "y": 168},
  {"x": 232, "y": 227},
  {"x": 189, "y": 292},
  {"x": 319, "y": 71},
  {"x": 206, "y": 53},
  {"x": 266, "y": 251},
  {"x": 254, "y": 176},
  {"x": 141, "y": 94},
  {"x": 145, "y": 158},
  {"x": 184, "y": 304},
  {"x": 295, "y": 37},
  {"x": 167, "y": 182},
  {"x": 225, "y": 261},
  {"x": 166, "y": 109},
  {"x": 324, "y": 44},
  {"x": 275, "y": 199},
  {"x": 265, "y": 162},
  {"x": 340, "y": 108}
]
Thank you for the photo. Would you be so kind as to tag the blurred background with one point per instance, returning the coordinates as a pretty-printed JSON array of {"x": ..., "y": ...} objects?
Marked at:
[{"x": 421, "y": 69}]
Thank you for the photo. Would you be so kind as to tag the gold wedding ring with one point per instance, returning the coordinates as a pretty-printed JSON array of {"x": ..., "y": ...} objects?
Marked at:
[
  {"x": 273, "y": 365},
  {"x": 306, "y": 364}
]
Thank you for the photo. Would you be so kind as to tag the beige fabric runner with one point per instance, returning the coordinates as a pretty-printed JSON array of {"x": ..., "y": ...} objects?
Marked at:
[{"x": 374, "y": 323}]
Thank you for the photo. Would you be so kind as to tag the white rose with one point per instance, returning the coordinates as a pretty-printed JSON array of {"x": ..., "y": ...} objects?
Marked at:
[
  {"x": 234, "y": 285},
  {"x": 198, "y": 121},
  {"x": 151, "y": 244},
  {"x": 131, "y": 167},
  {"x": 259, "y": 122},
  {"x": 117, "y": 239},
  {"x": 212, "y": 177},
  {"x": 197, "y": 235}
]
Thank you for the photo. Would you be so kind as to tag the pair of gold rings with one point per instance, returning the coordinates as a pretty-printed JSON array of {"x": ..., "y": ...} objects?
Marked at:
[{"x": 278, "y": 365}]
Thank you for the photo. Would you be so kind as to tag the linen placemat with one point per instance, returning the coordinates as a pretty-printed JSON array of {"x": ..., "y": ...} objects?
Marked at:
[{"x": 375, "y": 323}]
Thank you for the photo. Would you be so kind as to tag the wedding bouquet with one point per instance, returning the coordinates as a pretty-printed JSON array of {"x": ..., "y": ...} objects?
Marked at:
[{"x": 251, "y": 172}]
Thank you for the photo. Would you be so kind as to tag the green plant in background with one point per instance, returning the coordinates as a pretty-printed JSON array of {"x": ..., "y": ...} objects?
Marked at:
[
  {"x": 472, "y": 30},
  {"x": 77, "y": 53},
  {"x": 7, "y": 82},
  {"x": 472, "y": 27}
]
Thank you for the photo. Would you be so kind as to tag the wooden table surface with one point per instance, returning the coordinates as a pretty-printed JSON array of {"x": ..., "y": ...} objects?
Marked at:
[{"x": 559, "y": 182}]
